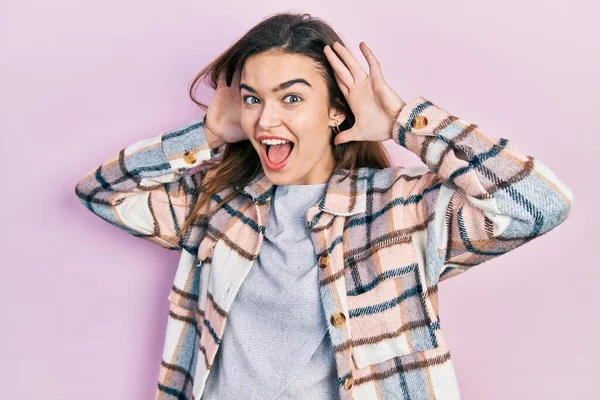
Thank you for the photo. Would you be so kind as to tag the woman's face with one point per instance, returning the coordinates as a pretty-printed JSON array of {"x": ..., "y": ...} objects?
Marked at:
[{"x": 285, "y": 100}]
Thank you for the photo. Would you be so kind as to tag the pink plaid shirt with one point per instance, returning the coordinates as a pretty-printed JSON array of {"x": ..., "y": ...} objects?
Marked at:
[{"x": 384, "y": 239}]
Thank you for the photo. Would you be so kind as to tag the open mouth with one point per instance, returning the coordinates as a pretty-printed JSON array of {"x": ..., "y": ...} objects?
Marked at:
[{"x": 276, "y": 156}]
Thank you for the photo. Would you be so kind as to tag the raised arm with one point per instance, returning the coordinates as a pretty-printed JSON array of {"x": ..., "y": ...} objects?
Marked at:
[
  {"x": 150, "y": 186},
  {"x": 483, "y": 196}
]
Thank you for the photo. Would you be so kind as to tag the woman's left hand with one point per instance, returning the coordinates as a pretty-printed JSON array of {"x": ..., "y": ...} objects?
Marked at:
[{"x": 374, "y": 103}]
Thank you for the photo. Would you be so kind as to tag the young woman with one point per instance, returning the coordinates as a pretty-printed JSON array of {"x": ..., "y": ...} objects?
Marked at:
[{"x": 306, "y": 258}]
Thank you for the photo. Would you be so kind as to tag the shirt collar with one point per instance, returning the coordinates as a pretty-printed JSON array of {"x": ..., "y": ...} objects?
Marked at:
[{"x": 347, "y": 197}]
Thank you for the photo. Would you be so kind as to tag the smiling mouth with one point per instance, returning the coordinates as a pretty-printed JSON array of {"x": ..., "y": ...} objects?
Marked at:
[{"x": 276, "y": 156}]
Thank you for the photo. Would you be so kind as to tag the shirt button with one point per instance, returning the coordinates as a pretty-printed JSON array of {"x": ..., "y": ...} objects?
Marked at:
[
  {"x": 337, "y": 319},
  {"x": 324, "y": 261},
  {"x": 419, "y": 122},
  {"x": 348, "y": 383},
  {"x": 189, "y": 157}
]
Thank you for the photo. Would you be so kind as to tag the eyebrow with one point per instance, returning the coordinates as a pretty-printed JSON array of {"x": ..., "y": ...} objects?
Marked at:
[{"x": 279, "y": 87}]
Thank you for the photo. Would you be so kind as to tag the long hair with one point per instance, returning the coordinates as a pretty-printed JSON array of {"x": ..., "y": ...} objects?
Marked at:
[{"x": 288, "y": 33}]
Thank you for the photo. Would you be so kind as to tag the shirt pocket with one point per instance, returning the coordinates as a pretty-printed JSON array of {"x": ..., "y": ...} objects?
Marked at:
[{"x": 390, "y": 314}]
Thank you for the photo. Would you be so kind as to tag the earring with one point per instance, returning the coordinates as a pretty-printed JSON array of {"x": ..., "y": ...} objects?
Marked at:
[{"x": 336, "y": 128}]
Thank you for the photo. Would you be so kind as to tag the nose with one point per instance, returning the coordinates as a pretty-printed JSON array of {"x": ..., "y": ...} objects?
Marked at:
[{"x": 268, "y": 118}]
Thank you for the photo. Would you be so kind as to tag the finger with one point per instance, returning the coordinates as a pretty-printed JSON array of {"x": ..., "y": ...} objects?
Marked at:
[
  {"x": 356, "y": 69},
  {"x": 343, "y": 88},
  {"x": 346, "y": 136},
  {"x": 237, "y": 76},
  {"x": 221, "y": 78},
  {"x": 374, "y": 66},
  {"x": 339, "y": 67}
]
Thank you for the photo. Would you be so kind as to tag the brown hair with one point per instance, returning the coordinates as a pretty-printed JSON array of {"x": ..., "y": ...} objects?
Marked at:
[{"x": 291, "y": 33}]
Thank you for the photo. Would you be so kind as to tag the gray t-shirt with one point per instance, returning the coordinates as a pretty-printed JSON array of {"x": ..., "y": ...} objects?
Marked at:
[{"x": 275, "y": 344}]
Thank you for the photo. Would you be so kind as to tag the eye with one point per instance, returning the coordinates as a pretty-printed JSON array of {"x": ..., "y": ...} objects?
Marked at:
[
  {"x": 248, "y": 97},
  {"x": 294, "y": 96}
]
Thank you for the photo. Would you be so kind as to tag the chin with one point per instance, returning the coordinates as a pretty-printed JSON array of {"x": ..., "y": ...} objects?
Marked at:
[{"x": 279, "y": 178}]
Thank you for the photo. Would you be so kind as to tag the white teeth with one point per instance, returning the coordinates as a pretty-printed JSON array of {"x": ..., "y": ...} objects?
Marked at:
[{"x": 274, "y": 141}]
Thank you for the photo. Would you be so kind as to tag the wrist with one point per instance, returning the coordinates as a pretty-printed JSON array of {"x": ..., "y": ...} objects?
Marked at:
[
  {"x": 395, "y": 114},
  {"x": 212, "y": 139},
  {"x": 398, "y": 107}
]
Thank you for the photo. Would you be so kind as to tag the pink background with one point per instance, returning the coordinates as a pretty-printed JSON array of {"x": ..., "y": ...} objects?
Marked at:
[{"x": 84, "y": 305}]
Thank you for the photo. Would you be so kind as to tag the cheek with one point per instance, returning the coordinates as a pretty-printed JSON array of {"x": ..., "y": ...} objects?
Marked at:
[
  {"x": 246, "y": 122},
  {"x": 310, "y": 128},
  {"x": 313, "y": 142}
]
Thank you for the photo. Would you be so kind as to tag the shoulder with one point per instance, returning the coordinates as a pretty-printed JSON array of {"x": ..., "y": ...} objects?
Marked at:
[{"x": 401, "y": 179}]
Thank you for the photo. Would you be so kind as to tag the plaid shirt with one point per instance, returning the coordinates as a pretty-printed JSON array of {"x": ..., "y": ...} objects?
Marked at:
[{"x": 384, "y": 238}]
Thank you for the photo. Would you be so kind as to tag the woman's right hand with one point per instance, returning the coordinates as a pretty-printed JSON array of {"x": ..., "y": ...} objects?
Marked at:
[{"x": 222, "y": 124}]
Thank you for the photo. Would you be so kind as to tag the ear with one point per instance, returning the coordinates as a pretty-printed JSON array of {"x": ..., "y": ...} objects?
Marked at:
[{"x": 336, "y": 117}]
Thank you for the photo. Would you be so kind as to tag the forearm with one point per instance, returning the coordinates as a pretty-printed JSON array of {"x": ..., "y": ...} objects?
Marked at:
[
  {"x": 149, "y": 162},
  {"x": 464, "y": 157},
  {"x": 147, "y": 189},
  {"x": 483, "y": 195}
]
